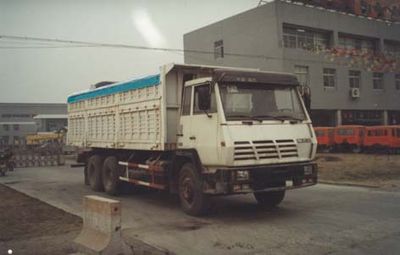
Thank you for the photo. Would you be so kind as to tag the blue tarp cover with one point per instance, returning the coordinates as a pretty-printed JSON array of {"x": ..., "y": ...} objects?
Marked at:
[{"x": 144, "y": 82}]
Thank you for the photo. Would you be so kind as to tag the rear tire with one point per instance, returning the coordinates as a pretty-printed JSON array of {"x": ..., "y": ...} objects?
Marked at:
[
  {"x": 193, "y": 201},
  {"x": 110, "y": 175},
  {"x": 269, "y": 199},
  {"x": 85, "y": 175},
  {"x": 94, "y": 168}
]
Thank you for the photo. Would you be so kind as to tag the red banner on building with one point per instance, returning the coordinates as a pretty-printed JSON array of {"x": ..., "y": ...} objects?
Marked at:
[{"x": 380, "y": 9}]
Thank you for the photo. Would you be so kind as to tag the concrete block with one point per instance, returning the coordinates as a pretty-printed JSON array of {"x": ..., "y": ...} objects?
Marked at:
[{"x": 101, "y": 233}]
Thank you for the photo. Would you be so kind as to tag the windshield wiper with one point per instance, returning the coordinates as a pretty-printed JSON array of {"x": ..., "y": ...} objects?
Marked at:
[
  {"x": 270, "y": 117},
  {"x": 245, "y": 116},
  {"x": 289, "y": 117}
]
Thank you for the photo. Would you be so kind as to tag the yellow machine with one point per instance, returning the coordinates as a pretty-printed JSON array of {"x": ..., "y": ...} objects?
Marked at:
[{"x": 44, "y": 137}]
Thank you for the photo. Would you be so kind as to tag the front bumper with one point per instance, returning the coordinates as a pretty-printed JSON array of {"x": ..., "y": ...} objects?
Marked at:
[{"x": 261, "y": 178}]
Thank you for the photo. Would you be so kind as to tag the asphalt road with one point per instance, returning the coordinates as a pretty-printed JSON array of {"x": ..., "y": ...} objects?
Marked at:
[{"x": 323, "y": 219}]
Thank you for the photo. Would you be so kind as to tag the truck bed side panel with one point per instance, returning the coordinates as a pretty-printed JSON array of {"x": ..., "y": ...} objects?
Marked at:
[{"x": 124, "y": 116}]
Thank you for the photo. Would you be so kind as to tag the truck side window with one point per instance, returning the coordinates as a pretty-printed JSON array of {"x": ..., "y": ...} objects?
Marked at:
[
  {"x": 196, "y": 109},
  {"x": 187, "y": 96}
]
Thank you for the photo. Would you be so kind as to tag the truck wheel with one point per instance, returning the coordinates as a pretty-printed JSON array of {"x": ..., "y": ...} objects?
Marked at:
[
  {"x": 269, "y": 199},
  {"x": 193, "y": 200},
  {"x": 94, "y": 173},
  {"x": 111, "y": 173},
  {"x": 85, "y": 175}
]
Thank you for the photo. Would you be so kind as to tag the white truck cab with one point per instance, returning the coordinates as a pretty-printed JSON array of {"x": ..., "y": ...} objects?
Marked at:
[{"x": 241, "y": 120}]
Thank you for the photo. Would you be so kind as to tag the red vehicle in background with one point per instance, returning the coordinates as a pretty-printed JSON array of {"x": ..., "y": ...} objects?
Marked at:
[
  {"x": 349, "y": 137},
  {"x": 382, "y": 138},
  {"x": 325, "y": 138}
]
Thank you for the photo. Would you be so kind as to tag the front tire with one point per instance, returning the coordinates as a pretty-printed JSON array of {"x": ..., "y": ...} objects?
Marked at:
[
  {"x": 269, "y": 199},
  {"x": 110, "y": 176},
  {"x": 94, "y": 168},
  {"x": 193, "y": 201}
]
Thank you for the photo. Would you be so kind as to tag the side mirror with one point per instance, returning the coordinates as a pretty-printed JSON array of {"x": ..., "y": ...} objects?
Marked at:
[
  {"x": 305, "y": 92},
  {"x": 204, "y": 97}
]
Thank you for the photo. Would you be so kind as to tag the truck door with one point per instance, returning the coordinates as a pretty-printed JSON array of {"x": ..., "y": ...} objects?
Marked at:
[
  {"x": 185, "y": 120},
  {"x": 200, "y": 127}
]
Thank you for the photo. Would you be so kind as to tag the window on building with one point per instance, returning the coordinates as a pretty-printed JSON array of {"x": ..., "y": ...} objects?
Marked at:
[
  {"x": 196, "y": 109},
  {"x": 16, "y": 127},
  {"x": 354, "y": 79},
  {"x": 329, "y": 77},
  {"x": 16, "y": 140},
  {"x": 302, "y": 75},
  {"x": 218, "y": 49},
  {"x": 6, "y": 127},
  {"x": 5, "y": 139},
  {"x": 15, "y": 115},
  {"x": 393, "y": 48},
  {"x": 377, "y": 80},
  {"x": 308, "y": 39},
  {"x": 349, "y": 42},
  {"x": 397, "y": 81}
]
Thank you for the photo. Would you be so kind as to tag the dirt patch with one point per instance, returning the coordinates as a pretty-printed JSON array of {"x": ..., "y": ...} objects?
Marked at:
[
  {"x": 29, "y": 226},
  {"x": 188, "y": 225},
  {"x": 364, "y": 169}
]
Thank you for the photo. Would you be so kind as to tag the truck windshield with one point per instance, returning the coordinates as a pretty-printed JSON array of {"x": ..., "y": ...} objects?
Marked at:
[{"x": 260, "y": 102}]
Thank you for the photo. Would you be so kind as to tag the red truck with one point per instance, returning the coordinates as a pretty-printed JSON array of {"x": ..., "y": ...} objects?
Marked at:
[
  {"x": 325, "y": 138},
  {"x": 382, "y": 138},
  {"x": 349, "y": 137}
]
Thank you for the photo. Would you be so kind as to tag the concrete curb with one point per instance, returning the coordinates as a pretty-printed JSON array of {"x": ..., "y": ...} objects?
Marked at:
[{"x": 350, "y": 184}]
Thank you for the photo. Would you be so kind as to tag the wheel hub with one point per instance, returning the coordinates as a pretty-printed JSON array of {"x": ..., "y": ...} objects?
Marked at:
[{"x": 187, "y": 190}]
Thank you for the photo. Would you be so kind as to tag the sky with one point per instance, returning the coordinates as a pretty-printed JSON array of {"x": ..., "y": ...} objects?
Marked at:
[{"x": 49, "y": 75}]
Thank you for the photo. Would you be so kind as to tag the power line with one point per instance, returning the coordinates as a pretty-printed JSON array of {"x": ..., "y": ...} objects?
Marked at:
[
  {"x": 127, "y": 46},
  {"x": 46, "y": 47}
]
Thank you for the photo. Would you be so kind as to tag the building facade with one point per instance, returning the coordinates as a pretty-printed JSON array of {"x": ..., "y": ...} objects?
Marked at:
[
  {"x": 351, "y": 63},
  {"x": 18, "y": 119}
]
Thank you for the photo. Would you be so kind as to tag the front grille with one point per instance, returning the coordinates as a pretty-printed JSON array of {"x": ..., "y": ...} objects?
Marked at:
[
  {"x": 264, "y": 149},
  {"x": 287, "y": 148}
]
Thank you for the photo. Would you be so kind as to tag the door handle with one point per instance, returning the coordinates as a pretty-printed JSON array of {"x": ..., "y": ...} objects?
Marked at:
[{"x": 192, "y": 138}]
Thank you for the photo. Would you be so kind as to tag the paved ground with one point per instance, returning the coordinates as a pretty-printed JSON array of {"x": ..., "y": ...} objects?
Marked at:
[{"x": 323, "y": 219}]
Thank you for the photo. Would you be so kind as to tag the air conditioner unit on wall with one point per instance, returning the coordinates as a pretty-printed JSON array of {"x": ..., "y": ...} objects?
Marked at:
[{"x": 355, "y": 92}]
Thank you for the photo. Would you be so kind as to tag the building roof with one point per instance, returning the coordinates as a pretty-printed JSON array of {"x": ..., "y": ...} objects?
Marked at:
[{"x": 51, "y": 116}]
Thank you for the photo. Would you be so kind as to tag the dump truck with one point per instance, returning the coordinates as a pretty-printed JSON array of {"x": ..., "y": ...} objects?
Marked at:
[{"x": 196, "y": 131}]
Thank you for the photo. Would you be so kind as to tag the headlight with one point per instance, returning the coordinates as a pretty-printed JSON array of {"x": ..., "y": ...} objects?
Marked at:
[
  {"x": 308, "y": 170},
  {"x": 242, "y": 175}
]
